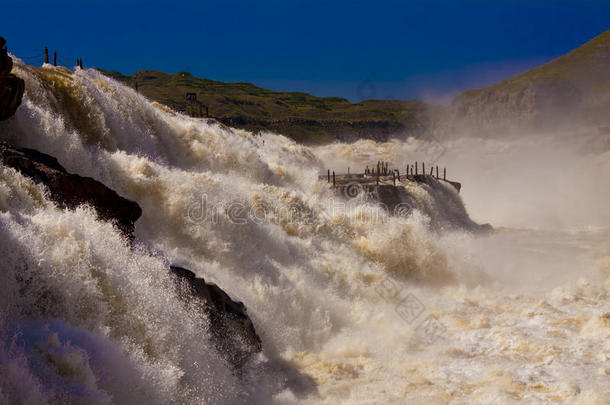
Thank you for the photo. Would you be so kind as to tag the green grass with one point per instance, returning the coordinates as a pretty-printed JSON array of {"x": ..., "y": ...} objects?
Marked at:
[
  {"x": 586, "y": 68},
  {"x": 306, "y": 118},
  {"x": 571, "y": 90},
  {"x": 578, "y": 80}
]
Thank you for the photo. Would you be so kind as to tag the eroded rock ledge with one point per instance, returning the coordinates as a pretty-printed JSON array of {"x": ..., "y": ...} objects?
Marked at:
[
  {"x": 232, "y": 329},
  {"x": 71, "y": 190}
]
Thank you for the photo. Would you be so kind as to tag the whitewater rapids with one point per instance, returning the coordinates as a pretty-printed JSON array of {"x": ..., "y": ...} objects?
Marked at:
[{"x": 518, "y": 316}]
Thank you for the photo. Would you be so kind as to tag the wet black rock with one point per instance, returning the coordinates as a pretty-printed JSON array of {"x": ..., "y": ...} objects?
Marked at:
[
  {"x": 232, "y": 329},
  {"x": 11, "y": 87},
  {"x": 71, "y": 190}
]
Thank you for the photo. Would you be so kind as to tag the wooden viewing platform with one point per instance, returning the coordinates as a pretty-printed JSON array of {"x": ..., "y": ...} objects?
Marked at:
[{"x": 382, "y": 175}]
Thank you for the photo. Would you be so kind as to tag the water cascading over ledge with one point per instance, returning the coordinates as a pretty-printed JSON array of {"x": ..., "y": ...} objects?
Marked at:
[{"x": 310, "y": 282}]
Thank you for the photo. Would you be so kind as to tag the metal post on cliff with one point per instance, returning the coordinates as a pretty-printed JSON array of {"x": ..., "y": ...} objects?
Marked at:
[
  {"x": 46, "y": 55},
  {"x": 54, "y": 58}
]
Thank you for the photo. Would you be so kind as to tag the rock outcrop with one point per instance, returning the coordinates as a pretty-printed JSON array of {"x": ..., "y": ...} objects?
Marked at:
[
  {"x": 232, "y": 329},
  {"x": 572, "y": 90},
  {"x": 323, "y": 131},
  {"x": 71, "y": 190},
  {"x": 11, "y": 87}
]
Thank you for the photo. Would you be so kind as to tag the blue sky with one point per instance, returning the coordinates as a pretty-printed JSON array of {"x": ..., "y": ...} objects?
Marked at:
[{"x": 354, "y": 49}]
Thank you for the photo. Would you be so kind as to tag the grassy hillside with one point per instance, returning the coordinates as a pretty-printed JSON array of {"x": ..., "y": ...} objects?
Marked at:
[
  {"x": 572, "y": 89},
  {"x": 304, "y": 117}
]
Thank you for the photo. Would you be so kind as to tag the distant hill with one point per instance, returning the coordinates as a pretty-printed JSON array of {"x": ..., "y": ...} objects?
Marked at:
[
  {"x": 572, "y": 89},
  {"x": 305, "y": 118}
]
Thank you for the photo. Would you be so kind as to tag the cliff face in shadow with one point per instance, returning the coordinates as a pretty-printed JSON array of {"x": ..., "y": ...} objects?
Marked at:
[
  {"x": 573, "y": 89},
  {"x": 11, "y": 87}
]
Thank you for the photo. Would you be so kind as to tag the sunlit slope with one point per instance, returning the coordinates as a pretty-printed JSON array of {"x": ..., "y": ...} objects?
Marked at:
[
  {"x": 301, "y": 116},
  {"x": 573, "y": 89}
]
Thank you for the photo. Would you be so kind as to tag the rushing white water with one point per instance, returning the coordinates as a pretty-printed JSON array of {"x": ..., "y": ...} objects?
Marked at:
[{"x": 353, "y": 306}]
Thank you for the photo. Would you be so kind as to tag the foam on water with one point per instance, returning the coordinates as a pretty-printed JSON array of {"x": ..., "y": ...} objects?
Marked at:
[{"x": 86, "y": 319}]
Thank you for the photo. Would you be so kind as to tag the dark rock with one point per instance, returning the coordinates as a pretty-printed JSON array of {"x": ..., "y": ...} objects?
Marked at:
[
  {"x": 232, "y": 329},
  {"x": 326, "y": 130},
  {"x": 11, "y": 87},
  {"x": 11, "y": 93},
  {"x": 71, "y": 190},
  {"x": 445, "y": 209}
]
